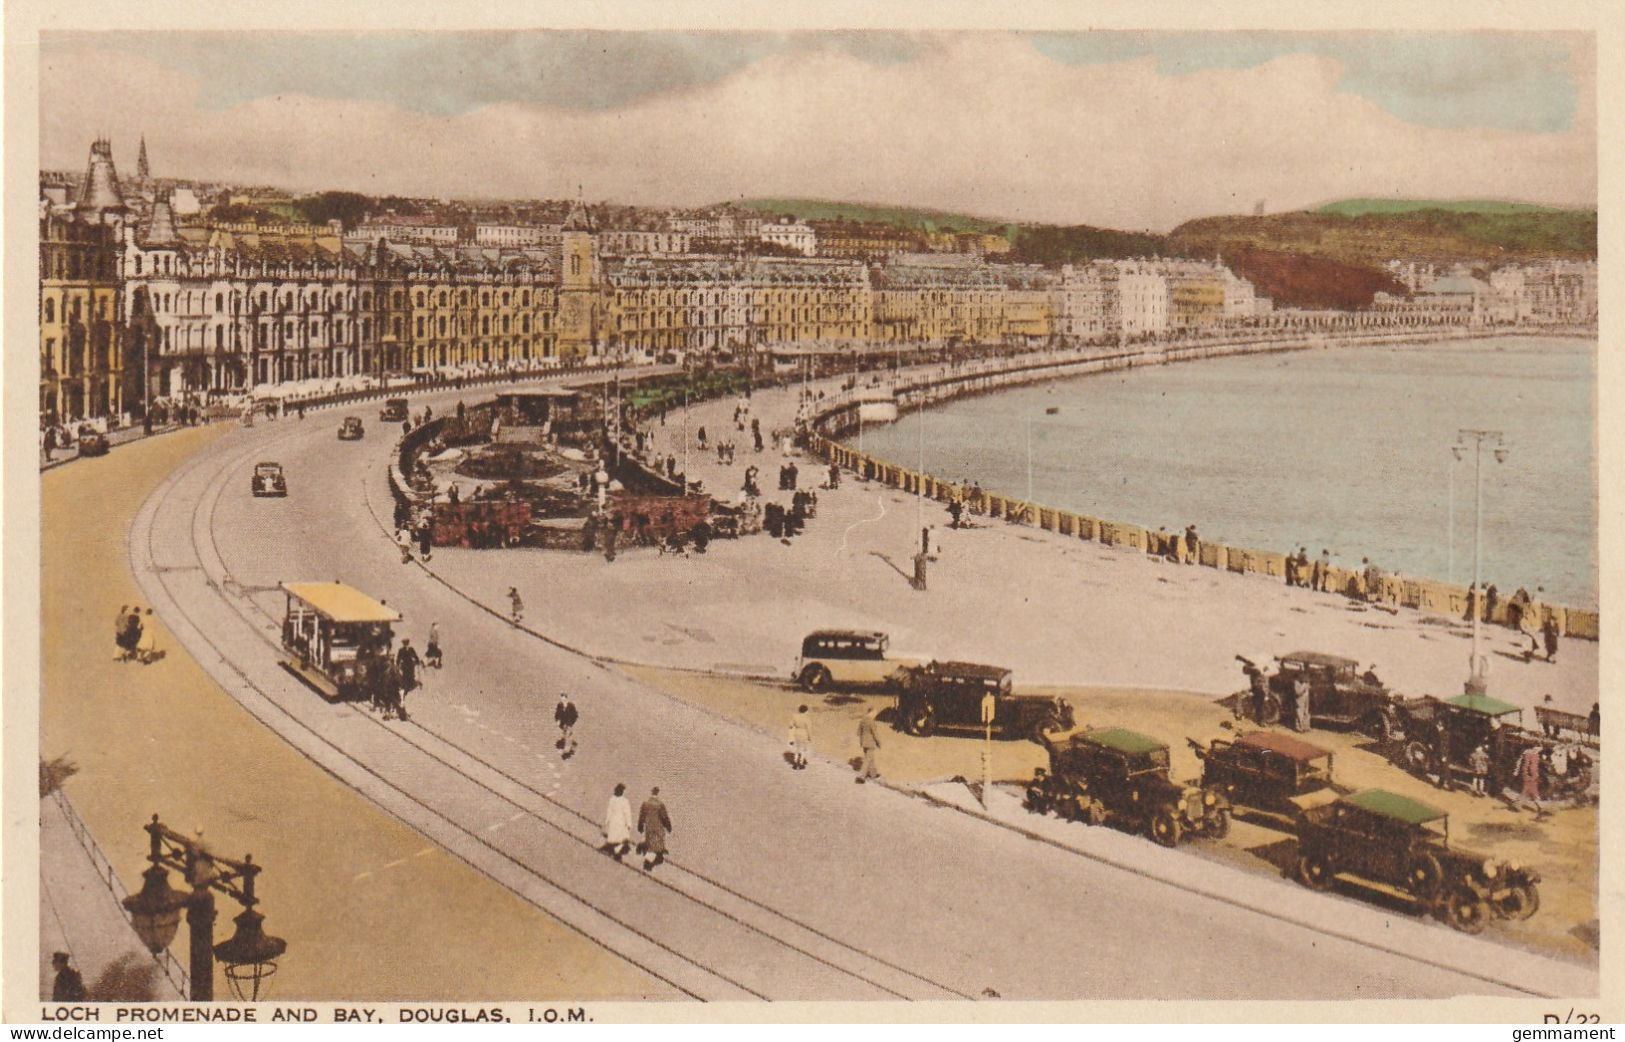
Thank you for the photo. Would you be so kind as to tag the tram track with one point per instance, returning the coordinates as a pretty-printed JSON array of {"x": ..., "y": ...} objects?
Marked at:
[{"x": 742, "y": 913}]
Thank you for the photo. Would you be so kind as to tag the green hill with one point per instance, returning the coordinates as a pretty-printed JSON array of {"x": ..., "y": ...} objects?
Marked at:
[{"x": 1361, "y": 207}]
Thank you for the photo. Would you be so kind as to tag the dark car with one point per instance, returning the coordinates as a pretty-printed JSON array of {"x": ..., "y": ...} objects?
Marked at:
[
  {"x": 394, "y": 410},
  {"x": 1118, "y": 777},
  {"x": 268, "y": 480},
  {"x": 949, "y": 695},
  {"x": 1267, "y": 772},
  {"x": 351, "y": 429},
  {"x": 1436, "y": 738},
  {"x": 1340, "y": 696},
  {"x": 1397, "y": 845},
  {"x": 92, "y": 442}
]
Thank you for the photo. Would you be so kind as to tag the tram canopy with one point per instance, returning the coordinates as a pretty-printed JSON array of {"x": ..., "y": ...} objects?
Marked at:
[{"x": 341, "y": 603}]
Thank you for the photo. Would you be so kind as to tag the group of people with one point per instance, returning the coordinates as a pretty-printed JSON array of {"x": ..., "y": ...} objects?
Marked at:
[
  {"x": 653, "y": 823},
  {"x": 390, "y": 678},
  {"x": 135, "y": 635},
  {"x": 800, "y": 742},
  {"x": 1316, "y": 575}
]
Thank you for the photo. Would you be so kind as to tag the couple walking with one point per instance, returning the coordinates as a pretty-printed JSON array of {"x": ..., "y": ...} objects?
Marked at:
[{"x": 653, "y": 822}]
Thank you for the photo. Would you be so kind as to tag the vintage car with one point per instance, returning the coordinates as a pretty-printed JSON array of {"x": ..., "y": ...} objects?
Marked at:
[
  {"x": 852, "y": 659},
  {"x": 337, "y": 638},
  {"x": 394, "y": 410},
  {"x": 1117, "y": 777},
  {"x": 92, "y": 442},
  {"x": 949, "y": 695},
  {"x": 351, "y": 429},
  {"x": 1397, "y": 845},
  {"x": 1340, "y": 698},
  {"x": 268, "y": 480},
  {"x": 1267, "y": 773},
  {"x": 1436, "y": 738}
]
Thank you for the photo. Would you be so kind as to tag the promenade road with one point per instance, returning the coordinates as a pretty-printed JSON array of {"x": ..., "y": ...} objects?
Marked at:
[{"x": 781, "y": 885}]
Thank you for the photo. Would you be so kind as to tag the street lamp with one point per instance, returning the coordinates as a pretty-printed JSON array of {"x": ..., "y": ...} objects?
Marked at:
[
  {"x": 1477, "y": 677},
  {"x": 249, "y": 956}
]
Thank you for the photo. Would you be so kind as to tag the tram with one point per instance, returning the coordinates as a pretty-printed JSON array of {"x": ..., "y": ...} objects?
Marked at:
[{"x": 336, "y": 637}]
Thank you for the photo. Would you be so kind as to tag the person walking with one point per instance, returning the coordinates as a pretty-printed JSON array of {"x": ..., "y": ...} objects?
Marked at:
[
  {"x": 618, "y": 824},
  {"x": 1478, "y": 762},
  {"x": 432, "y": 655},
  {"x": 956, "y": 510},
  {"x": 1548, "y": 630},
  {"x": 566, "y": 715},
  {"x": 869, "y": 742},
  {"x": 1529, "y": 777},
  {"x": 517, "y": 606},
  {"x": 800, "y": 738},
  {"x": 407, "y": 661},
  {"x": 425, "y": 540},
  {"x": 403, "y": 540},
  {"x": 146, "y": 644},
  {"x": 68, "y": 986},
  {"x": 1193, "y": 545},
  {"x": 655, "y": 825},
  {"x": 118, "y": 633},
  {"x": 1300, "y": 704}
]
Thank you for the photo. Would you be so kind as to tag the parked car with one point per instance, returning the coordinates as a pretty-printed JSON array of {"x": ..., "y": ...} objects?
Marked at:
[
  {"x": 1435, "y": 739},
  {"x": 351, "y": 429},
  {"x": 851, "y": 659},
  {"x": 1340, "y": 697},
  {"x": 1118, "y": 777},
  {"x": 1267, "y": 772},
  {"x": 268, "y": 480},
  {"x": 949, "y": 695},
  {"x": 394, "y": 410},
  {"x": 1397, "y": 845},
  {"x": 92, "y": 442}
]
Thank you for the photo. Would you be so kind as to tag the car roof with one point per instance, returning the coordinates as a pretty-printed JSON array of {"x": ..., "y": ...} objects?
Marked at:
[
  {"x": 1123, "y": 740},
  {"x": 845, "y": 634},
  {"x": 341, "y": 603},
  {"x": 1482, "y": 704},
  {"x": 1284, "y": 744},
  {"x": 1319, "y": 658},
  {"x": 267, "y": 463},
  {"x": 1392, "y": 805},
  {"x": 970, "y": 669},
  {"x": 357, "y": 419}
]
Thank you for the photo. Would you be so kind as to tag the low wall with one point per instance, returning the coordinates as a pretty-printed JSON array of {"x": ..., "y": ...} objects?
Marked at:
[{"x": 1426, "y": 595}]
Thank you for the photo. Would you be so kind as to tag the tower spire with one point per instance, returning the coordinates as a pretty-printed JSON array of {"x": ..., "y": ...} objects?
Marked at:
[{"x": 142, "y": 170}]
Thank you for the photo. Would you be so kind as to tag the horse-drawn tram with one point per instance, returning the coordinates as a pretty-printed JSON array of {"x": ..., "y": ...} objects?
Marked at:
[{"x": 337, "y": 637}]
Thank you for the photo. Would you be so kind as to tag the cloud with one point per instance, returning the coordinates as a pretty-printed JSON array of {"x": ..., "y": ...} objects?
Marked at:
[{"x": 985, "y": 123}]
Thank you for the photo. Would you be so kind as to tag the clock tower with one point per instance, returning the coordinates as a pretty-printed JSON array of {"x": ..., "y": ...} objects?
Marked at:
[{"x": 578, "y": 286}]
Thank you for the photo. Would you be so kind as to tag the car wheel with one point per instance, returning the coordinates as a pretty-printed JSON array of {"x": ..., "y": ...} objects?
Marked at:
[
  {"x": 1423, "y": 877},
  {"x": 1165, "y": 827},
  {"x": 1218, "y": 823},
  {"x": 1269, "y": 712},
  {"x": 815, "y": 678},
  {"x": 1521, "y": 902},
  {"x": 1315, "y": 871},
  {"x": 1466, "y": 911},
  {"x": 922, "y": 721},
  {"x": 1418, "y": 758}
]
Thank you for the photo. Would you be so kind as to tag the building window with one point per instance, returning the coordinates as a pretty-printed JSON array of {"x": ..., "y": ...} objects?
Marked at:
[{"x": 50, "y": 310}]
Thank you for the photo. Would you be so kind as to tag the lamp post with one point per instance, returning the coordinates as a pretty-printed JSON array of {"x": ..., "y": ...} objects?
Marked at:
[
  {"x": 1477, "y": 678},
  {"x": 250, "y": 955}
]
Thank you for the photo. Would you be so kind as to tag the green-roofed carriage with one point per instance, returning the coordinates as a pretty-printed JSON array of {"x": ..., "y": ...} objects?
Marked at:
[
  {"x": 1120, "y": 777},
  {"x": 1391, "y": 843},
  {"x": 1438, "y": 735}
]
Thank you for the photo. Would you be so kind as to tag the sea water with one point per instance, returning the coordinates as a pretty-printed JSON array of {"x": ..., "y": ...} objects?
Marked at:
[{"x": 1346, "y": 449}]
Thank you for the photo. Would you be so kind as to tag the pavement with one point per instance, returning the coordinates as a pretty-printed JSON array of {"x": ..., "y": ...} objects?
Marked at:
[
  {"x": 781, "y": 885},
  {"x": 80, "y": 914}
]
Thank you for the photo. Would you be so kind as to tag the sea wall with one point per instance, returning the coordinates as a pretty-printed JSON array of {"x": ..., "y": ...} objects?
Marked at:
[{"x": 839, "y": 415}]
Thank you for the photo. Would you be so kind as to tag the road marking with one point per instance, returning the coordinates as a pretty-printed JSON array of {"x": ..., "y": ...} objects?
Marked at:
[
  {"x": 363, "y": 875},
  {"x": 392, "y": 864},
  {"x": 425, "y": 852}
]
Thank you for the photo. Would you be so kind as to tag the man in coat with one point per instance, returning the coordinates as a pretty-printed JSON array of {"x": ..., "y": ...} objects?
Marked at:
[
  {"x": 408, "y": 661},
  {"x": 654, "y": 823},
  {"x": 68, "y": 986},
  {"x": 618, "y": 824},
  {"x": 869, "y": 741},
  {"x": 565, "y": 715}
]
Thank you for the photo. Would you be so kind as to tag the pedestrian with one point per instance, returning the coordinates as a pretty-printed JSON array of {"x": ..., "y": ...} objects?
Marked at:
[
  {"x": 425, "y": 540},
  {"x": 68, "y": 985},
  {"x": 955, "y": 510},
  {"x": 1492, "y": 599},
  {"x": 118, "y": 633},
  {"x": 1529, "y": 776},
  {"x": 618, "y": 824},
  {"x": 869, "y": 742},
  {"x": 1291, "y": 569},
  {"x": 1373, "y": 582},
  {"x": 1594, "y": 721},
  {"x": 1478, "y": 762},
  {"x": 432, "y": 654},
  {"x": 1193, "y": 545},
  {"x": 1323, "y": 571},
  {"x": 701, "y": 437},
  {"x": 612, "y": 530},
  {"x": 1305, "y": 574},
  {"x": 835, "y": 476},
  {"x": 800, "y": 738},
  {"x": 566, "y": 715},
  {"x": 403, "y": 539},
  {"x": 921, "y": 561},
  {"x": 1548, "y": 630},
  {"x": 756, "y": 435},
  {"x": 655, "y": 824},
  {"x": 517, "y": 609},
  {"x": 1530, "y": 628},
  {"x": 1300, "y": 704},
  {"x": 407, "y": 661},
  {"x": 146, "y": 645}
]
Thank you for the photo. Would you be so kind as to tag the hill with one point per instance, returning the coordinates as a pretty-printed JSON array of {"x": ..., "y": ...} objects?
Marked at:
[
  {"x": 1371, "y": 239},
  {"x": 1360, "y": 207}
]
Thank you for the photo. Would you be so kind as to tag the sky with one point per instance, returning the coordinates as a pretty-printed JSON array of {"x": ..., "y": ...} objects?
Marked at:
[{"x": 1139, "y": 130}]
